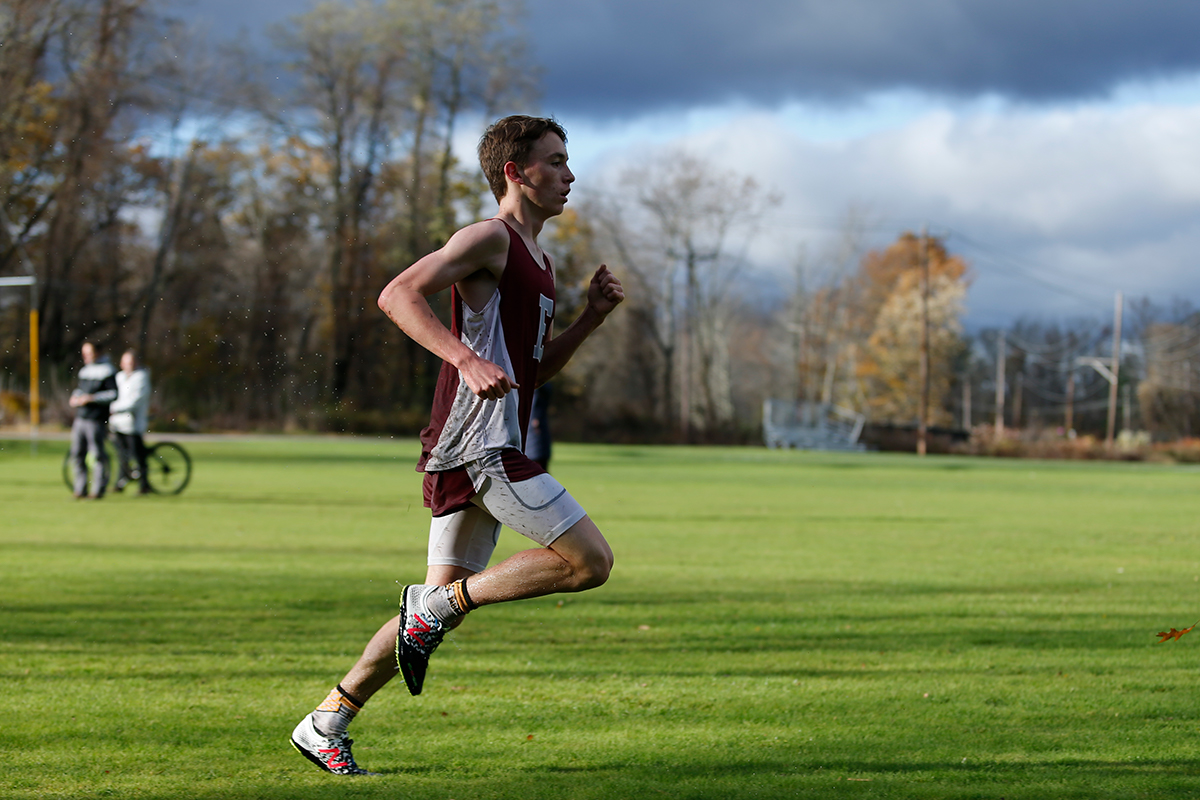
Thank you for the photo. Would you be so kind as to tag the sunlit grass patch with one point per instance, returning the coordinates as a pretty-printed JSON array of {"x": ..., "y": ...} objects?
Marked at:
[{"x": 778, "y": 624}]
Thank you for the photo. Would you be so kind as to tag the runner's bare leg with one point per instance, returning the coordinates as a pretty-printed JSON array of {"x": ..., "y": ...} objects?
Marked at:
[{"x": 579, "y": 559}]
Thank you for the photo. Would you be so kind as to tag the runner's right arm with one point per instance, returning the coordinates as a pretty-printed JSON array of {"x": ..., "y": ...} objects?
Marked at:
[{"x": 474, "y": 258}]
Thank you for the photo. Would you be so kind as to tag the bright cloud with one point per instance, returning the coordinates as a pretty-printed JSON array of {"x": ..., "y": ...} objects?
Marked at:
[{"x": 1058, "y": 207}]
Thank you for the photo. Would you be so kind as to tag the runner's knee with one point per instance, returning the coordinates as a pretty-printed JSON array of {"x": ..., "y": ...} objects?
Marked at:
[{"x": 592, "y": 568}]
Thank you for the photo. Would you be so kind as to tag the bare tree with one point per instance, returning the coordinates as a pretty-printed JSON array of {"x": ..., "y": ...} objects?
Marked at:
[
  {"x": 77, "y": 70},
  {"x": 824, "y": 315},
  {"x": 689, "y": 243},
  {"x": 382, "y": 85}
]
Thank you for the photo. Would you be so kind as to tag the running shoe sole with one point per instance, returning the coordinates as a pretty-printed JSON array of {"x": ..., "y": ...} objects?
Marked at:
[{"x": 413, "y": 657}]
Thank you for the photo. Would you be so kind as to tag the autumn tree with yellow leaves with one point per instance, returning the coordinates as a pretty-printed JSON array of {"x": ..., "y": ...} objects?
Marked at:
[{"x": 894, "y": 302}]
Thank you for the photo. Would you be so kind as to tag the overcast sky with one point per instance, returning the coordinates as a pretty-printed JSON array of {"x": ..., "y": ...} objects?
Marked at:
[{"x": 1054, "y": 144}]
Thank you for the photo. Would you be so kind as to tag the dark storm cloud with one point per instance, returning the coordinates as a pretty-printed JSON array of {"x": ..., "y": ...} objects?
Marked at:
[
  {"x": 226, "y": 19},
  {"x": 621, "y": 57}
]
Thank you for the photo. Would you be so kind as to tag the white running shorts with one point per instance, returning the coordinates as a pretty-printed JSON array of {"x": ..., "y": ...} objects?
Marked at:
[{"x": 538, "y": 508}]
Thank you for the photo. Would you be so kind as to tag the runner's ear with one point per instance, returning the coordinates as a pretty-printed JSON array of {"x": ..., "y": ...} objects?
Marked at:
[{"x": 513, "y": 172}]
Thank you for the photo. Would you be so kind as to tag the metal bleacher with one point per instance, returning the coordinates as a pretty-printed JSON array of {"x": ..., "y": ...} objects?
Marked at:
[{"x": 811, "y": 426}]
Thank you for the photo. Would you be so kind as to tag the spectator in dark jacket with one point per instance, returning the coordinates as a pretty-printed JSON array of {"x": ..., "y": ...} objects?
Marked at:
[
  {"x": 537, "y": 440},
  {"x": 97, "y": 389}
]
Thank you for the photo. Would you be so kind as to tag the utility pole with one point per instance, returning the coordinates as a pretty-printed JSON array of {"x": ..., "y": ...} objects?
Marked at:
[
  {"x": 685, "y": 386},
  {"x": 1115, "y": 369},
  {"x": 1000, "y": 356},
  {"x": 967, "y": 402},
  {"x": 1018, "y": 396},
  {"x": 923, "y": 405},
  {"x": 1127, "y": 406},
  {"x": 1069, "y": 422},
  {"x": 35, "y": 348},
  {"x": 35, "y": 381}
]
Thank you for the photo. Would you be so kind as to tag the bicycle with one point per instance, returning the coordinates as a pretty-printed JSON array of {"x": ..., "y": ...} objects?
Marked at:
[{"x": 168, "y": 467}]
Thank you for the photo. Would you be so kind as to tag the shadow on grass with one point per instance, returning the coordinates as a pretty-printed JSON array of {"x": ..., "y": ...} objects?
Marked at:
[
  {"x": 658, "y": 776},
  {"x": 665, "y": 627},
  {"x": 815, "y": 776},
  {"x": 403, "y": 556}
]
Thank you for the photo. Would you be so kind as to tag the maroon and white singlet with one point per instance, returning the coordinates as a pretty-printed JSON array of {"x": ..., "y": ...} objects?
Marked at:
[{"x": 510, "y": 331}]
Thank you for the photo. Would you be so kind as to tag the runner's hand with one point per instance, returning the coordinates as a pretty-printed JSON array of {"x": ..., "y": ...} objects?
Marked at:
[
  {"x": 485, "y": 379},
  {"x": 604, "y": 292}
]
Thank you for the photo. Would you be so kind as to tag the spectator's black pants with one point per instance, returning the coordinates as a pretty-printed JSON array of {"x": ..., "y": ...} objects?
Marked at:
[{"x": 131, "y": 448}]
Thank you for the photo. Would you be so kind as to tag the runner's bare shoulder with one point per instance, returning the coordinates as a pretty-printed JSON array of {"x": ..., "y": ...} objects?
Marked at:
[{"x": 481, "y": 244}]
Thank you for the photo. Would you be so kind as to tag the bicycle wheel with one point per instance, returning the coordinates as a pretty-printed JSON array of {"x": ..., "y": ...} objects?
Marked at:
[
  {"x": 68, "y": 473},
  {"x": 169, "y": 468}
]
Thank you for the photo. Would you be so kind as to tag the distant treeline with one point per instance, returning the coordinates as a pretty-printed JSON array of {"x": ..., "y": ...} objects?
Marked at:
[{"x": 233, "y": 217}]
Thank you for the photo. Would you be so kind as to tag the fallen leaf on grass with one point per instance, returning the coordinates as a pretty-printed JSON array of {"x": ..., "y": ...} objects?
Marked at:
[{"x": 1174, "y": 634}]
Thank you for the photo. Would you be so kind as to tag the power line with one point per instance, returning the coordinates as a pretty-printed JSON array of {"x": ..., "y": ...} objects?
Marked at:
[
  {"x": 1052, "y": 353},
  {"x": 1181, "y": 333},
  {"x": 1013, "y": 262}
]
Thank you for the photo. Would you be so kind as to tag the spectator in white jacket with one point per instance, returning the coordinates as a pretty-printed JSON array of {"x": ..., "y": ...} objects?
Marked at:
[{"x": 129, "y": 417}]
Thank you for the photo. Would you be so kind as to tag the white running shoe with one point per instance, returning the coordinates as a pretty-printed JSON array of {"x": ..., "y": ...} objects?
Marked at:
[
  {"x": 330, "y": 753},
  {"x": 420, "y": 634}
]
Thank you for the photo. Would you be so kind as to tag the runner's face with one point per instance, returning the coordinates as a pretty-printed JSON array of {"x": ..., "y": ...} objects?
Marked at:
[
  {"x": 547, "y": 177},
  {"x": 127, "y": 362},
  {"x": 88, "y": 352}
]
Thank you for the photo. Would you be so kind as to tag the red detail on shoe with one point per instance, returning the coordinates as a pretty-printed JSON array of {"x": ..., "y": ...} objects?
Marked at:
[
  {"x": 415, "y": 632},
  {"x": 336, "y": 751}
]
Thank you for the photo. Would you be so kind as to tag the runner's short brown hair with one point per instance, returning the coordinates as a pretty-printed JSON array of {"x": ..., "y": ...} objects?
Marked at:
[{"x": 511, "y": 139}]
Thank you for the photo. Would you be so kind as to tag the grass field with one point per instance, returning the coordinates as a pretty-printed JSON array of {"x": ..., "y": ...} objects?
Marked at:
[{"x": 778, "y": 625}]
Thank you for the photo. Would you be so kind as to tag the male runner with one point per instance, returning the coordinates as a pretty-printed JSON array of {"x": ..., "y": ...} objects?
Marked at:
[{"x": 498, "y": 349}]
